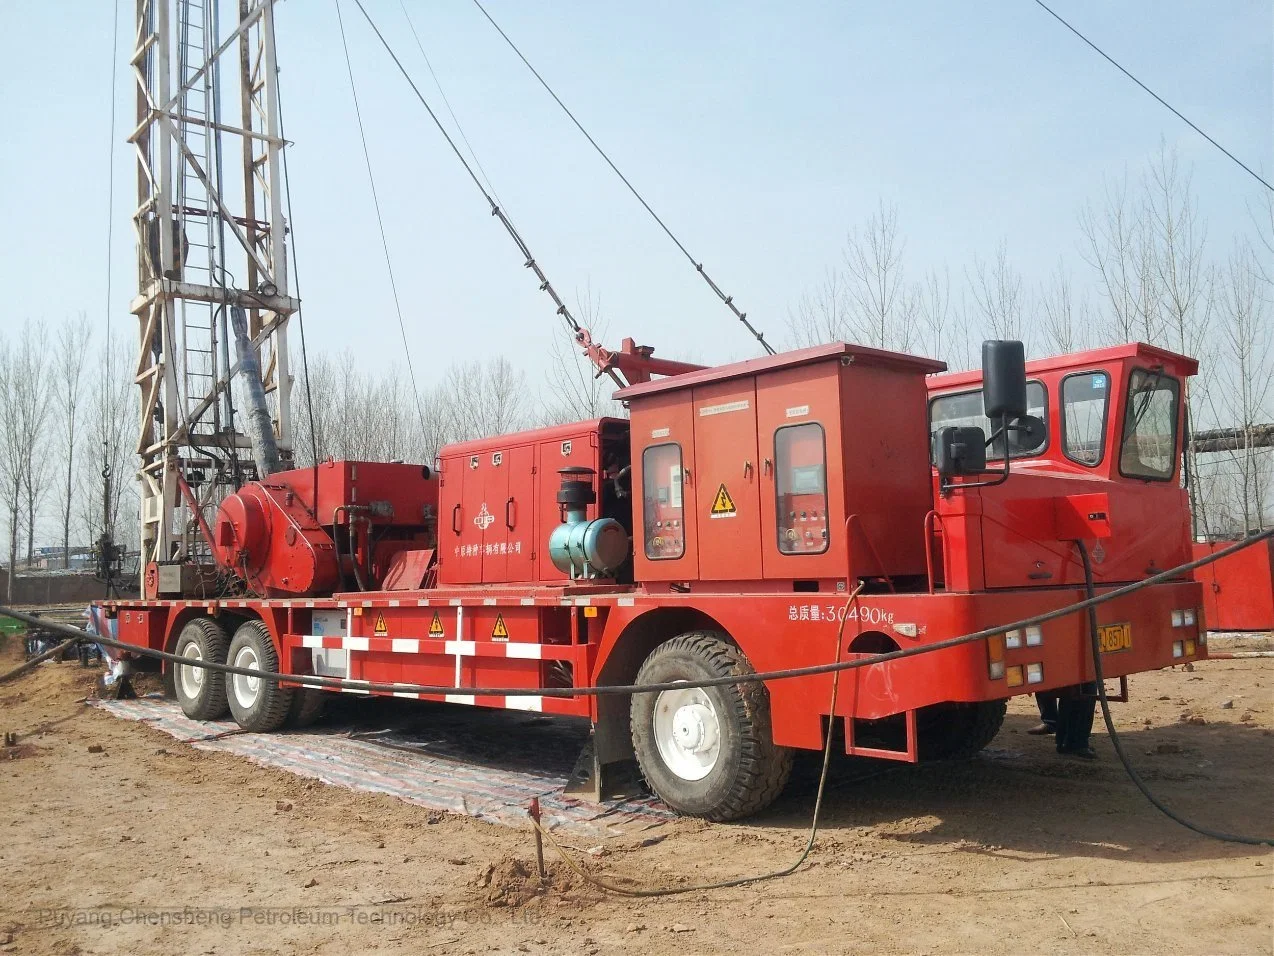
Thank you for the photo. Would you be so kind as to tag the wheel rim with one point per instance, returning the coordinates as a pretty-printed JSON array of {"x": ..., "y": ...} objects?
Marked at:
[
  {"x": 189, "y": 677},
  {"x": 246, "y": 689},
  {"x": 687, "y": 732}
]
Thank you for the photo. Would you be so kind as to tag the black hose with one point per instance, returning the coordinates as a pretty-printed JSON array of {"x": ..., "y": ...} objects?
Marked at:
[
  {"x": 336, "y": 683},
  {"x": 1095, "y": 645}
]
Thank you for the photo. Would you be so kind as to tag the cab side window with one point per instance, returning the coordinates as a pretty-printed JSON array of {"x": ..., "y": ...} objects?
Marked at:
[
  {"x": 800, "y": 485},
  {"x": 1085, "y": 399},
  {"x": 664, "y": 530},
  {"x": 965, "y": 408}
]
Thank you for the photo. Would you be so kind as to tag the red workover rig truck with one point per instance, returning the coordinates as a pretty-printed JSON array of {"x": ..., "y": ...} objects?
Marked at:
[{"x": 787, "y": 511}]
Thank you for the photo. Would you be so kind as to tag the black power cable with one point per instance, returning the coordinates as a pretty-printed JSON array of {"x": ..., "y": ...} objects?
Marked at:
[
  {"x": 1089, "y": 604},
  {"x": 728, "y": 300},
  {"x": 1095, "y": 645},
  {"x": 336, "y": 683}
]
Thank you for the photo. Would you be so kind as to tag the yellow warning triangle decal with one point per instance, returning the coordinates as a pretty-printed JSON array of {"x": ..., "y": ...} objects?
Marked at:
[
  {"x": 435, "y": 626},
  {"x": 723, "y": 504},
  {"x": 381, "y": 627},
  {"x": 499, "y": 632}
]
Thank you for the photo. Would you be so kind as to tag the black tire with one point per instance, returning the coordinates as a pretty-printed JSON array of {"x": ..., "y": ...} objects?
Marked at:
[
  {"x": 201, "y": 692},
  {"x": 307, "y": 707},
  {"x": 748, "y": 771},
  {"x": 959, "y": 729},
  {"x": 255, "y": 703}
]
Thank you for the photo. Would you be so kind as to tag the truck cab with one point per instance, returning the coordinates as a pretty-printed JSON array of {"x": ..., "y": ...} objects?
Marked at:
[{"x": 1114, "y": 421}]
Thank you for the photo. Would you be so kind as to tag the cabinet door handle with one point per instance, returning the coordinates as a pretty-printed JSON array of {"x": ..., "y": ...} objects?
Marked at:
[
  {"x": 455, "y": 519},
  {"x": 747, "y": 469},
  {"x": 508, "y": 514},
  {"x": 767, "y": 466}
]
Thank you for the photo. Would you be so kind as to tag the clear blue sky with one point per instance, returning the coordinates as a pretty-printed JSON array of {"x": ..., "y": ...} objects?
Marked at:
[{"x": 762, "y": 132}]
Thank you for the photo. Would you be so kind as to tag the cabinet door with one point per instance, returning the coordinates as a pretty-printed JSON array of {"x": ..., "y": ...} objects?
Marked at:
[
  {"x": 665, "y": 538},
  {"x": 463, "y": 527},
  {"x": 726, "y": 495},
  {"x": 802, "y": 501},
  {"x": 510, "y": 497}
]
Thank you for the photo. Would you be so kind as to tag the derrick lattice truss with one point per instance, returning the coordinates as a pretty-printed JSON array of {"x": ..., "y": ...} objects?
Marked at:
[{"x": 211, "y": 233}]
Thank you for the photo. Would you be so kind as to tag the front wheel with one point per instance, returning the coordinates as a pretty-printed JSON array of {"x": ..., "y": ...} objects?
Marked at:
[
  {"x": 256, "y": 703},
  {"x": 707, "y": 751}
]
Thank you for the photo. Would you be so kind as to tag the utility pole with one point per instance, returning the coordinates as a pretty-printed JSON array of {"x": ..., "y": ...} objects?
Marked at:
[{"x": 206, "y": 242}]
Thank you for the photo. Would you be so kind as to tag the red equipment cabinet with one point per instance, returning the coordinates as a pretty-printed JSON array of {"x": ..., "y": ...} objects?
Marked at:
[
  {"x": 758, "y": 495},
  {"x": 497, "y": 499},
  {"x": 1238, "y": 591},
  {"x": 776, "y": 455}
]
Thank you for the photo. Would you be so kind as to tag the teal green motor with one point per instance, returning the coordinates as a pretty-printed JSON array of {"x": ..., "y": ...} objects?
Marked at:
[{"x": 579, "y": 547}]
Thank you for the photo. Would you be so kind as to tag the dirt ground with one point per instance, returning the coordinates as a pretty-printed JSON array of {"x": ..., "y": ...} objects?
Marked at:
[{"x": 114, "y": 838}]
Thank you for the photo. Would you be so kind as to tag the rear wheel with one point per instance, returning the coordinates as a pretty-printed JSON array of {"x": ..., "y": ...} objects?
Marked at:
[
  {"x": 708, "y": 751},
  {"x": 307, "y": 707},
  {"x": 257, "y": 704},
  {"x": 959, "y": 729},
  {"x": 201, "y": 692}
]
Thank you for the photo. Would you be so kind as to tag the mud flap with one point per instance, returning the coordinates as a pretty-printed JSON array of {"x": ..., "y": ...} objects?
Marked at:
[{"x": 595, "y": 781}]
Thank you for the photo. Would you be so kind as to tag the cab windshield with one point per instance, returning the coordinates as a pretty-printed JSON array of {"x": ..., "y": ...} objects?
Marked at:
[{"x": 1149, "y": 446}]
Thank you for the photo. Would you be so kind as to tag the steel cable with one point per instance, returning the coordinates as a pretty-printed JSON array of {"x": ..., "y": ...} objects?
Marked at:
[
  {"x": 728, "y": 300},
  {"x": 380, "y": 222},
  {"x": 528, "y": 259}
]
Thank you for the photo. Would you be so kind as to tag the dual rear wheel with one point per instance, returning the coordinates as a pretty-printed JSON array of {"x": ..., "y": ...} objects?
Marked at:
[{"x": 256, "y": 703}]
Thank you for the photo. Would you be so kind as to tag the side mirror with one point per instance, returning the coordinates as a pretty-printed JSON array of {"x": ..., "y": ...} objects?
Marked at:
[
  {"x": 959, "y": 451},
  {"x": 1003, "y": 379},
  {"x": 1026, "y": 433}
]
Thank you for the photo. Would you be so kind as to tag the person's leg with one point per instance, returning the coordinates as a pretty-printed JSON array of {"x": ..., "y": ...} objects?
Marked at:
[
  {"x": 1075, "y": 721},
  {"x": 1047, "y": 703}
]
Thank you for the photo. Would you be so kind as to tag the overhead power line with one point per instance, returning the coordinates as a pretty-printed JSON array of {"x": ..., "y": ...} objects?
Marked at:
[
  {"x": 380, "y": 220},
  {"x": 1176, "y": 112},
  {"x": 545, "y": 285},
  {"x": 727, "y": 299}
]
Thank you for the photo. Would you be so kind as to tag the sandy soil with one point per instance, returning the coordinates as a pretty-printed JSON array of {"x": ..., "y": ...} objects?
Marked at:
[{"x": 114, "y": 838}]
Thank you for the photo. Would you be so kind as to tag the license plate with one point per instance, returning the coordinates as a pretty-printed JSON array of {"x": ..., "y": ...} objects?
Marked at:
[{"x": 1114, "y": 637}]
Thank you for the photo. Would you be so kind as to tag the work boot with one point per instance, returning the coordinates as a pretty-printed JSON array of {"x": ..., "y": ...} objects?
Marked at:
[
  {"x": 1083, "y": 753},
  {"x": 1042, "y": 730}
]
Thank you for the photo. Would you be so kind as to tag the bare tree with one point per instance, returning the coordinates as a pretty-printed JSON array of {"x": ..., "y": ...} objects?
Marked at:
[
  {"x": 822, "y": 314},
  {"x": 483, "y": 399},
  {"x": 1180, "y": 235},
  {"x": 110, "y": 419},
  {"x": 1248, "y": 340},
  {"x": 1066, "y": 313},
  {"x": 884, "y": 307},
  {"x": 25, "y": 404},
  {"x": 1120, "y": 244},
  {"x": 574, "y": 390},
  {"x": 997, "y": 291},
  {"x": 1186, "y": 288},
  {"x": 933, "y": 306},
  {"x": 68, "y": 373}
]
